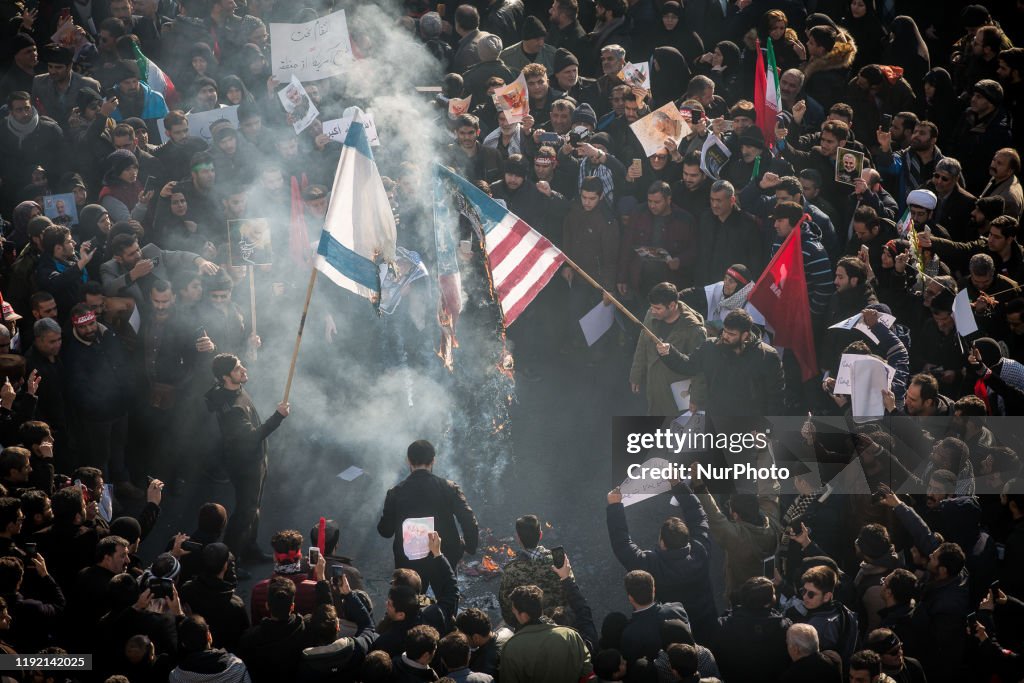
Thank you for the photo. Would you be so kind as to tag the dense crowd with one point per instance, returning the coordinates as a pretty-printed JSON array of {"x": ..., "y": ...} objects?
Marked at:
[{"x": 893, "y": 156}]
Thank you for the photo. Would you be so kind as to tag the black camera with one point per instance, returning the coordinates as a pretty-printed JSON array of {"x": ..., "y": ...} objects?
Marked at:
[
  {"x": 160, "y": 587},
  {"x": 577, "y": 137}
]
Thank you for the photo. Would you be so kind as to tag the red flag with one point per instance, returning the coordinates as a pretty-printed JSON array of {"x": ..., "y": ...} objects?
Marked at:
[
  {"x": 765, "y": 118},
  {"x": 321, "y": 536},
  {"x": 781, "y": 296}
]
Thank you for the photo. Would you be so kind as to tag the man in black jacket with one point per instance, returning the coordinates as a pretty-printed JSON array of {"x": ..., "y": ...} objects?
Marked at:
[
  {"x": 642, "y": 636},
  {"x": 245, "y": 451},
  {"x": 423, "y": 494},
  {"x": 212, "y": 595},
  {"x": 680, "y": 564}
]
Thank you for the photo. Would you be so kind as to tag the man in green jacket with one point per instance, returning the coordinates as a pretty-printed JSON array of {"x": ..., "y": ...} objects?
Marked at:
[{"x": 540, "y": 651}]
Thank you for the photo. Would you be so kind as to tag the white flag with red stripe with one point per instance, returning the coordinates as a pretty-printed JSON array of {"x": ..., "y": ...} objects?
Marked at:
[{"x": 521, "y": 260}]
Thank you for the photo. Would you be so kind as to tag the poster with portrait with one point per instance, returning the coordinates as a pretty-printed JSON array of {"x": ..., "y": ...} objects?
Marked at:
[
  {"x": 636, "y": 75},
  {"x": 661, "y": 124},
  {"x": 513, "y": 99},
  {"x": 300, "y": 109},
  {"x": 849, "y": 164},
  {"x": 457, "y": 106},
  {"x": 249, "y": 240},
  {"x": 61, "y": 209},
  {"x": 416, "y": 537}
]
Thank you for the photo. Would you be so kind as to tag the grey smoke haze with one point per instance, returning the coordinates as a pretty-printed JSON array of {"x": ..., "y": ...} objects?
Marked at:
[{"x": 362, "y": 399}]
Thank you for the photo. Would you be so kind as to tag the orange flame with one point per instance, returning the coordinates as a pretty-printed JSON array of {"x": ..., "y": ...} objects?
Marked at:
[{"x": 488, "y": 564}]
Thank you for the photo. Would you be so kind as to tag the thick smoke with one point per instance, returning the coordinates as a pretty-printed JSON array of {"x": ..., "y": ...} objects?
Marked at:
[{"x": 380, "y": 385}]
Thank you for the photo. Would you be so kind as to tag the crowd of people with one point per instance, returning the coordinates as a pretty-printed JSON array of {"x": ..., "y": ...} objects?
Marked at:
[{"x": 128, "y": 328}]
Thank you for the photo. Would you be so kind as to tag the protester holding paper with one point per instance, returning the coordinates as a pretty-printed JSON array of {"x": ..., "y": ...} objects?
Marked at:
[
  {"x": 424, "y": 494},
  {"x": 680, "y": 327}
]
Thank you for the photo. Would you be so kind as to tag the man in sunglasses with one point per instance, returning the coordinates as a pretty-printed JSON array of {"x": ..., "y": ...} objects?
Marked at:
[
  {"x": 835, "y": 623},
  {"x": 955, "y": 203}
]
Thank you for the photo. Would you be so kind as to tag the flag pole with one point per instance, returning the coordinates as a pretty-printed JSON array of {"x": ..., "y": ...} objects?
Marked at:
[
  {"x": 298, "y": 337},
  {"x": 625, "y": 311}
]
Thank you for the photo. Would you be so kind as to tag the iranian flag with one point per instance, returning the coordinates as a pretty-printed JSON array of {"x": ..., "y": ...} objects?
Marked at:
[
  {"x": 155, "y": 78},
  {"x": 766, "y": 92}
]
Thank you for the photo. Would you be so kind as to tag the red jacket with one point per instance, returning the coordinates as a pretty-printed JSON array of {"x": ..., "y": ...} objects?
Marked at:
[
  {"x": 678, "y": 237},
  {"x": 305, "y": 596}
]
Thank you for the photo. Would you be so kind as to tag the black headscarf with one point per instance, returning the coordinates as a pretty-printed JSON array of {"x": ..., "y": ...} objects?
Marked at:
[{"x": 670, "y": 77}]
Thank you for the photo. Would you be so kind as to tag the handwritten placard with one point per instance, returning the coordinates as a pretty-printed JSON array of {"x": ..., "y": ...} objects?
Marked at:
[
  {"x": 845, "y": 375},
  {"x": 311, "y": 51},
  {"x": 644, "y": 487},
  {"x": 337, "y": 129}
]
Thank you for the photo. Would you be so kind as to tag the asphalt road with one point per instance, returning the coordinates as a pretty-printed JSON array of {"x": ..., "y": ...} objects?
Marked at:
[{"x": 560, "y": 470}]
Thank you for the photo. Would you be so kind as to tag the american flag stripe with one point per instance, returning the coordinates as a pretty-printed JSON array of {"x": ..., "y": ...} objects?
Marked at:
[{"x": 521, "y": 296}]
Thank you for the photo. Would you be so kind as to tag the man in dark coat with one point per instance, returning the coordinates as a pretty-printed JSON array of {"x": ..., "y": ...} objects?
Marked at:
[
  {"x": 642, "y": 635},
  {"x": 423, "y": 494},
  {"x": 213, "y": 595},
  {"x": 662, "y": 227},
  {"x": 810, "y": 665},
  {"x": 680, "y": 564},
  {"x": 27, "y": 140},
  {"x": 245, "y": 451},
  {"x": 751, "y": 642},
  {"x": 726, "y": 235}
]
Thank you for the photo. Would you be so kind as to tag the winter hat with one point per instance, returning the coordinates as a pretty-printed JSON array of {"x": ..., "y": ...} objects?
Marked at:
[
  {"x": 991, "y": 207},
  {"x": 56, "y": 54},
  {"x": 533, "y": 28},
  {"x": 517, "y": 167},
  {"x": 127, "y": 528},
  {"x": 873, "y": 541},
  {"x": 430, "y": 25},
  {"x": 124, "y": 70},
  {"x": 564, "y": 58},
  {"x": 881, "y": 308},
  {"x": 973, "y": 16},
  {"x": 584, "y": 114},
  {"x": 489, "y": 48},
  {"x": 672, "y": 7},
  {"x": 926, "y": 199},
  {"x": 990, "y": 90},
  {"x": 753, "y": 137},
  {"x": 602, "y": 139},
  {"x": 991, "y": 352},
  {"x": 85, "y": 97},
  {"x": 20, "y": 41},
  {"x": 119, "y": 160}
]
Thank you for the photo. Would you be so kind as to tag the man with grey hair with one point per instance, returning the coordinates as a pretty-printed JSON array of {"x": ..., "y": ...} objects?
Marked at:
[
  {"x": 726, "y": 235},
  {"x": 44, "y": 358},
  {"x": 613, "y": 58},
  {"x": 955, "y": 203},
  {"x": 989, "y": 293},
  {"x": 791, "y": 86},
  {"x": 809, "y": 664}
]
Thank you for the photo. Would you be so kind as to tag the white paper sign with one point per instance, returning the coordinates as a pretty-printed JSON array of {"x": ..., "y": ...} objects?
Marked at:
[
  {"x": 199, "y": 122},
  {"x": 597, "y": 321},
  {"x": 844, "y": 377},
  {"x": 963, "y": 314},
  {"x": 636, "y": 490},
  {"x": 870, "y": 377},
  {"x": 415, "y": 542},
  {"x": 681, "y": 393},
  {"x": 337, "y": 129},
  {"x": 856, "y": 323},
  {"x": 310, "y": 51}
]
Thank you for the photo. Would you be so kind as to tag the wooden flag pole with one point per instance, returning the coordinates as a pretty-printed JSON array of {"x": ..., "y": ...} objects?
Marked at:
[
  {"x": 298, "y": 337},
  {"x": 625, "y": 311},
  {"x": 252, "y": 297}
]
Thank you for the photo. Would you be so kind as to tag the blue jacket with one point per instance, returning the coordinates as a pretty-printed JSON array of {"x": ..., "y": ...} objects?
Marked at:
[
  {"x": 817, "y": 267},
  {"x": 153, "y": 106}
]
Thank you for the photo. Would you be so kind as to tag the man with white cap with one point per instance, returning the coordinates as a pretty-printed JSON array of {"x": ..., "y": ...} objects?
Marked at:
[{"x": 921, "y": 204}]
